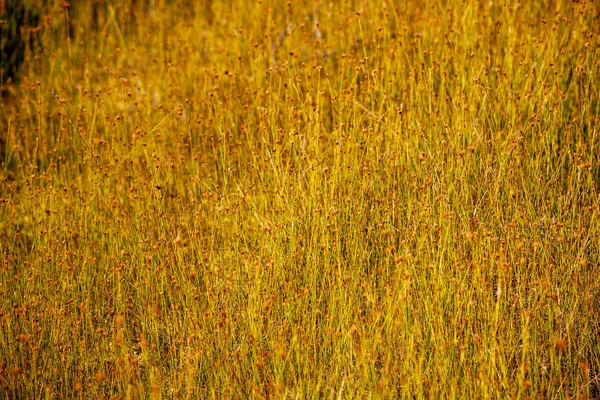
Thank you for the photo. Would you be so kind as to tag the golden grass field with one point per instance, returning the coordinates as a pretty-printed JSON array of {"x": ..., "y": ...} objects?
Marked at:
[{"x": 301, "y": 200}]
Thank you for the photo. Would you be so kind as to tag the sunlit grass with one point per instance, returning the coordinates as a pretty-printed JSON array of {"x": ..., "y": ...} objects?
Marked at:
[{"x": 302, "y": 200}]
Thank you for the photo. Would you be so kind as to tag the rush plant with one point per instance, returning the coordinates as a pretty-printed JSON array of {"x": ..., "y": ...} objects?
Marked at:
[{"x": 266, "y": 199}]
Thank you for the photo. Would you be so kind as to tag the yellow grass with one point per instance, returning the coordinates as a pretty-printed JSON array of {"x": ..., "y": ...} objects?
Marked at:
[{"x": 262, "y": 199}]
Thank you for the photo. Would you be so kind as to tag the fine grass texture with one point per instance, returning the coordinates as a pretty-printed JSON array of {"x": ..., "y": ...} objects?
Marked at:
[{"x": 266, "y": 199}]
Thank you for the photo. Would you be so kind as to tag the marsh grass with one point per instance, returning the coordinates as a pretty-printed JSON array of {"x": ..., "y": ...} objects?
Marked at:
[{"x": 303, "y": 200}]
